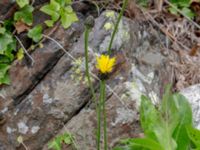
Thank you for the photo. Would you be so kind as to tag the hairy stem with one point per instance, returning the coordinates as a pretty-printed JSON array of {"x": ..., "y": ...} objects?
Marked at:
[
  {"x": 98, "y": 107},
  {"x": 125, "y": 2},
  {"x": 103, "y": 92}
]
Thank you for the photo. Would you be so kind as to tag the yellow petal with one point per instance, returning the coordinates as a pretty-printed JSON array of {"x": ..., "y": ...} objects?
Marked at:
[{"x": 105, "y": 63}]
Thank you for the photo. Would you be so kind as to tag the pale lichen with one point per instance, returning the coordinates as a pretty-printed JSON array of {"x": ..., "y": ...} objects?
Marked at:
[
  {"x": 35, "y": 129},
  {"x": 47, "y": 99},
  {"x": 147, "y": 79},
  {"x": 10, "y": 130},
  {"x": 108, "y": 26},
  {"x": 110, "y": 14},
  {"x": 22, "y": 127},
  {"x": 154, "y": 97},
  {"x": 78, "y": 71},
  {"x": 4, "y": 110},
  {"x": 124, "y": 116}
]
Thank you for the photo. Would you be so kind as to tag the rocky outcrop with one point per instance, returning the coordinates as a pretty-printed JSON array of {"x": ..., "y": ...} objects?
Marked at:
[
  {"x": 58, "y": 100},
  {"x": 136, "y": 73}
]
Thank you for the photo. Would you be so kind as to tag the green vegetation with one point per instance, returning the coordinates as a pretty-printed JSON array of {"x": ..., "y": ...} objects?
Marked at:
[
  {"x": 168, "y": 127},
  {"x": 7, "y": 47},
  {"x": 25, "y": 15},
  {"x": 66, "y": 138},
  {"x": 60, "y": 9},
  {"x": 35, "y": 33},
  {"x": 22, "y": 21},
  {"x": 183, "y": 6}
]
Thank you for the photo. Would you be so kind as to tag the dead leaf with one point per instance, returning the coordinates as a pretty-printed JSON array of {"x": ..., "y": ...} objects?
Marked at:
[
  {"x": 21, "y": 27},
  {"x": 195, "y": 5},
  {"x": 194, "y": 50}
]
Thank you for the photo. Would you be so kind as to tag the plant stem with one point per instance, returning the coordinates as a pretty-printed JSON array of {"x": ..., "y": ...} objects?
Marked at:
[
  {"x": 103, "y": 92},
  {"x": 98, "y": 107},
  {"x": 125, "y": 2},
  {"x": 99, "y": 124},
  {"x": 87, "y": 30}
]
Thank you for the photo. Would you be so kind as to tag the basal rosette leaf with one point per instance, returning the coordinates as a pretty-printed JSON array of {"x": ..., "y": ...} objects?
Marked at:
[
  {"x": 148, "y": 117},
  {"x": 185, "y": 118},
  {"x": 139, "y": 144},
  {"x": 35, "y": 33},
  {"x": 25, "y": 15},
  {"x": 194, "y": 135},
  {"x": 22, "y": 3},
  {"x": 53, "y": 10}
]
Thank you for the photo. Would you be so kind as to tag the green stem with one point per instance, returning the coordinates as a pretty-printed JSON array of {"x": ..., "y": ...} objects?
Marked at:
[
  {"x": 125, "y": 2},
  {"x": 99, "y": 124},
  {"x": 98, "y": 107},
  {"x": 103, "y": 99},
  {"x": 87, "y": 30}
]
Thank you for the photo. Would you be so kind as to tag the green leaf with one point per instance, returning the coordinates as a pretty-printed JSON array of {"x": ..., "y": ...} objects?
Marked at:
[
  {"x": 4, "y": 59},
  {"x": 169, "y": 110},
  {"x": 173, "y": 10},
  {"x": 188, "y": 12},
  {"x": 155, "y": 126},
  {"x": 7, "y": 45},
  {"x": 35, "y": 33},
  {"x": 148, "y": 117},
  {"x": 49, "y": 23},
  {"x": 4, "y": 78},
  {"x": 22, "y": 3},
  {"x": 25, "y": 15},
  {"x": 68, "y": 17},
  {"x": 181, "y": 3},
  {"x": 52, "y": 10},
  {"x": 142, "y": 143},
  {"x": 54, "y": 145},
  {"x": 8, "y": 24},
  {"x": 67, "y": 138},
  {"x": 183, "y": 6},
  {"x": 185, "y": 119},
  {"x": 143, "y": 3},
  {"x": 63, "y": 3},
  {"x": 5, "y": 40},
  {"x": 2, "y": 30},
  {"x": 57, "y": 9},
  {"x": 3, "y": 69},
  {"x": 194, "y": 136},
  {"x": 169, "y": 121}
]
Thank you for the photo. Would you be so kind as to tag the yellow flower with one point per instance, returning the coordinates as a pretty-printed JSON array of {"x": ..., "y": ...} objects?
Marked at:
[{"x": 105, "y": 64}]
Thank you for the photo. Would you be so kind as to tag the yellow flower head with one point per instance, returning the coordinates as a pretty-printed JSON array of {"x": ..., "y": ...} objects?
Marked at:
[{"x": 105, "y": 63}]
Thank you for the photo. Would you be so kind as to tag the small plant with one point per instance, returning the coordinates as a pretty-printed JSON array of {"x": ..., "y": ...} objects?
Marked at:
[
  {"x": 36, "y": 33},
  {"x": 167, "y": 128},
  {"x": 20, "y": 140},
  {"x": 22, "y": 21},
  {"x": 24, "y": 14},
  {"x": 7, "y": 47},
  {"x": 183, "y": 6},
  {"x": 59, "y": 140},
  {"x": 22, "y": 3},
  {"x": 143, "y": 3},
  {"x": 194, "y": 136},
  {"x": 60, "y": 9},
  {"x": 105, "y": 65}
]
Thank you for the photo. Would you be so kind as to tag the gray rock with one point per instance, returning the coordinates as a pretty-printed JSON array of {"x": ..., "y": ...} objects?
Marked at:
[
  {"x": 62, "y": 97},
  {"x": 130, "y": 80}
]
